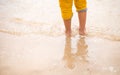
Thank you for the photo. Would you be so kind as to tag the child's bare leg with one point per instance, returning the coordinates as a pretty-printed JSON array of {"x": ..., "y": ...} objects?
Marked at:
[
  {"x": 67, "y": 24},
  {"x": 82, "y": 22}
]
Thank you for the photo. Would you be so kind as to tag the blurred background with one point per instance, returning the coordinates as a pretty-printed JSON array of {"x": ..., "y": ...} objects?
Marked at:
[
  {"x": 32, "y": 40},
  {"x": 44, "y": 17}
]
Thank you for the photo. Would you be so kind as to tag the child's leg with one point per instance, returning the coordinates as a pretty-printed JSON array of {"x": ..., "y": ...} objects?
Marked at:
[
  {"x": 66, "y": 11},
  {"x": 82, "y": 21},
  {"x": 81, "y": 8},
  {"x": 67, "y": 24}
]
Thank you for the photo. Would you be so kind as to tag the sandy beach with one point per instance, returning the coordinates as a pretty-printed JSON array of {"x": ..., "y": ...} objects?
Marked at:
[
  {"x": 32, "y": 40},
  {"x": 43, "y": 55}
]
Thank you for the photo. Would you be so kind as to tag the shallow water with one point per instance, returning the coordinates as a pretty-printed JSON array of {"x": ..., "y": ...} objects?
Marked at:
[
  {"x": 43, "y": 55},
  {"x": 21, "y": 17},
  {"x": 32, "y": 40}
]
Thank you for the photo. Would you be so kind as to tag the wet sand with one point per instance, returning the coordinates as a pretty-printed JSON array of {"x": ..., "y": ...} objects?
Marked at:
[
  {"x": 32, "y": 42},
  {"x": 45, "y": 55}
]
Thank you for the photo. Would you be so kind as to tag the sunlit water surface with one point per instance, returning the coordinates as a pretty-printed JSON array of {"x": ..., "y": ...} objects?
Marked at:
[
  {"x": 32, "y": 40},
  {"x": 21, "y": 17}
]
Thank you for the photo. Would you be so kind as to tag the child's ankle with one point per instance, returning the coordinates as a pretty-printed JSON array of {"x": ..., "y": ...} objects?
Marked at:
[
  {"x": 68, "y": 33},
  {"x": 82, "y": 31}
]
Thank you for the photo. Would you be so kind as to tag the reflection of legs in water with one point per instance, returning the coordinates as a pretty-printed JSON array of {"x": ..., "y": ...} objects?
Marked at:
[
  {"x": 68, "y": 56},
  {"x": 82, "y": 48}
]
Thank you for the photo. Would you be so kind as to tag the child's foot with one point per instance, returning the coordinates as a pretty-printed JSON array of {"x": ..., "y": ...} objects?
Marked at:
[
  {"x": 68, "y": 33},
  {"x": 82, "y": 32}
]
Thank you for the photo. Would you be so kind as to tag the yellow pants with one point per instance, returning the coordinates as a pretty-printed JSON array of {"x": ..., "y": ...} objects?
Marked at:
[{"x": 66, "y": 7}]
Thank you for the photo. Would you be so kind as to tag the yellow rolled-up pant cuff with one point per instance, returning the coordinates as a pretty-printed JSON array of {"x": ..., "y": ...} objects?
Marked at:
[
  {"x": 67, "y": 16},
  {"x": 66, "y": 7},
  {"x": 82, "y": 10}
]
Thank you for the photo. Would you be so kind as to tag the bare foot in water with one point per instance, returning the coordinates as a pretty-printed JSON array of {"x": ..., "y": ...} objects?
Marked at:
[
  {"x": 82, "y": 32},
  {"x": 68, "y": 33}
]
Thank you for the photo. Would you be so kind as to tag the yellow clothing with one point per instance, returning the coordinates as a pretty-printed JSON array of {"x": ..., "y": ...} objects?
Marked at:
[{"x": 66, "y": 7}]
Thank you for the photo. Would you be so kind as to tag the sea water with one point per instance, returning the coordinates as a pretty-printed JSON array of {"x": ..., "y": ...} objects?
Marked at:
[{"x": 23, "y": 17}]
